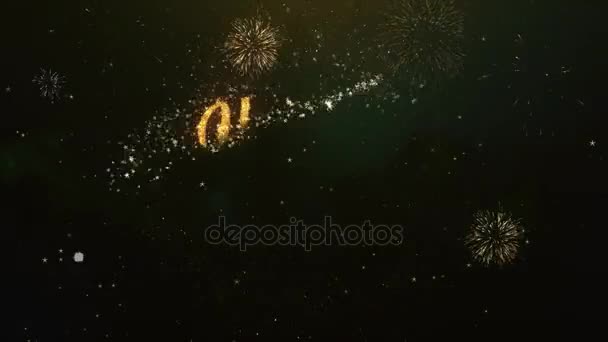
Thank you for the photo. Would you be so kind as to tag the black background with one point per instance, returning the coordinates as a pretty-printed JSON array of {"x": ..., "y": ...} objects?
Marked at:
[{"x": 148, "y": 274}]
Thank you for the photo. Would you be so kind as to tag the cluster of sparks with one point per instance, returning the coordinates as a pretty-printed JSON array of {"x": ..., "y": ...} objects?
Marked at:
[
  {"x": 536, "y": 80},
  {"x": 303, "y": 109},
  {"x": 151, "y": 152},
  {"x": 494, "y": 238},
  {"x": 424, "y": 38},
  {"x": 531, "y": 77},
  {"x": 252, "y": 46},
  {"x": 211, "y": 122},
  {"x": 534, "y": 84},
  {"x": 183, "y": 133},
  {"x": 50, "y": 84}
]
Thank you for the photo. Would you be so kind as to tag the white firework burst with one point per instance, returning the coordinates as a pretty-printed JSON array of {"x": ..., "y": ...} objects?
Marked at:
[{"x": 50, "y": 83}]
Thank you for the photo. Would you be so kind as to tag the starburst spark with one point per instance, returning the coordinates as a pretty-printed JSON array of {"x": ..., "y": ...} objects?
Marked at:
[
  {"x": 424, "y": 38},
  {"x": 252, "y": 46},
  {"x": 494, "y": 238},
  {"x": 50, "y": 83}
]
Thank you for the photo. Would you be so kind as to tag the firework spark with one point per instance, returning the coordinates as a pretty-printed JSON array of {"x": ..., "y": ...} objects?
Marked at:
[
  {"x": 424, "y": 38},
  {"x": 50, "y": 84},
  {"x": 494, "y": 238},
  {"x": 252, "y": 46}
]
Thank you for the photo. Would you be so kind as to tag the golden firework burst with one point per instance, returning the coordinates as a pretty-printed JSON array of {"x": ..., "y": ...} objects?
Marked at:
[
  {"x": 494, "y": 238},
  {"x": 252, "y": 46}
]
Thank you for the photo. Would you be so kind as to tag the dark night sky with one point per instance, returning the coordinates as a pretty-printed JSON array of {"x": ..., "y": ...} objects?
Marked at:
[{"x": 463, "y": 146}]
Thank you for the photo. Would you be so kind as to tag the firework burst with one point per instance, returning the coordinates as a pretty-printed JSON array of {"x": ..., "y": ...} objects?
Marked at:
[
  {"x": 424, "y": 38},
  {"x": 494, "y": 238},
  {"x": 252, "y": 46},
  {"x": 50, "y": 84}
]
